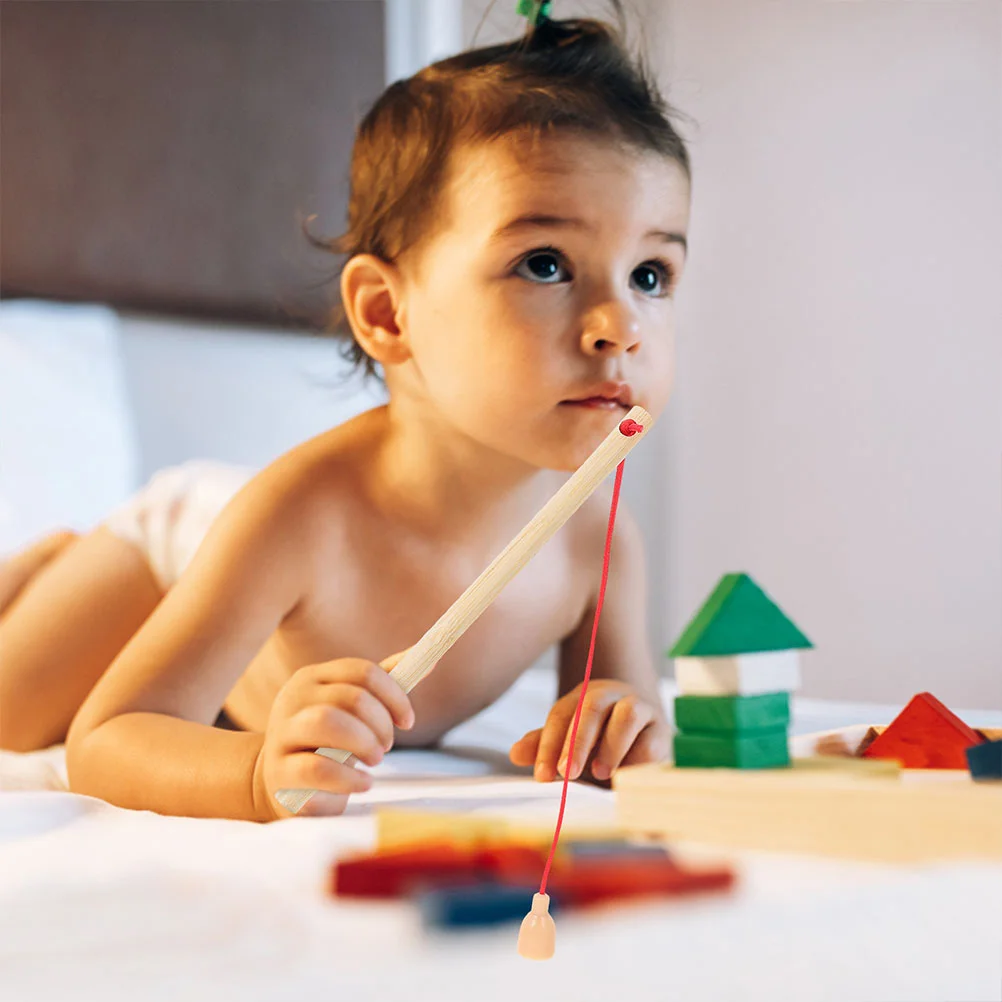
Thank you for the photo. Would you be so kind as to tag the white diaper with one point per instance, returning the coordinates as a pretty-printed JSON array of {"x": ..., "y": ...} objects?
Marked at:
[{"x": 169, "y": 517}]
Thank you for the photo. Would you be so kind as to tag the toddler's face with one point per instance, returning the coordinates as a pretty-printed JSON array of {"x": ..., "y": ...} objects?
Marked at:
[{"x": 552, "y": 273}]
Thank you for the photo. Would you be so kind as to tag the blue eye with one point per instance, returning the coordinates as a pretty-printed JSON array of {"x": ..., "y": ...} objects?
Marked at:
[
  {"x": 542, "y": 266},
  {"x": 653, "y": 278}
]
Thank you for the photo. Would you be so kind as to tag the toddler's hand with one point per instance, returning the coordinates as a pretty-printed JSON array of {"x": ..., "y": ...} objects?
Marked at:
[
  {"x": 616, "y": 725},
  {"x": 349, "y": 703}
]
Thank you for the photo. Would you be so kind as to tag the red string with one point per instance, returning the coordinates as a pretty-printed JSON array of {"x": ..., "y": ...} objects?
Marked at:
[{"x": 628, "y": 427}]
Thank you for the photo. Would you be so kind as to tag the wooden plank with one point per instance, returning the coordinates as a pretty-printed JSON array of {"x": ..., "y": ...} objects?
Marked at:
[{"x": 910, "y": 816}]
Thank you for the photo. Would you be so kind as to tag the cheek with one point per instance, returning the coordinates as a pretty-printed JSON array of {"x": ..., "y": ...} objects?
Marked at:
[
  {"x": 513, "y": 335},
  {"x": 480, "y": 356},
  {"x": 659, "y": 362}
]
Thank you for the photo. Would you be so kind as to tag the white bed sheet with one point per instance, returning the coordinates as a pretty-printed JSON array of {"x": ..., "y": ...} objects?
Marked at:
[{"x": 98, "y": 902}]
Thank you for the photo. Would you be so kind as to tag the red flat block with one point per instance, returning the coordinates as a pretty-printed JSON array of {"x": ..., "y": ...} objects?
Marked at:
[
  {"x": 591, "y": 884},
  {"x": 396, "y": 874},
  {"x": 925, "y": 735}
]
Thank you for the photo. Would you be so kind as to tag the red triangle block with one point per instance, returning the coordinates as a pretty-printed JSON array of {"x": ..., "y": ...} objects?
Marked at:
[{"x": 925, "y": 735}]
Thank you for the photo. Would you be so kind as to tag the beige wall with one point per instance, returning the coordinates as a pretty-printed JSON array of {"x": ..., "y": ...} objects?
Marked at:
[{"x": 837, "y": 428}]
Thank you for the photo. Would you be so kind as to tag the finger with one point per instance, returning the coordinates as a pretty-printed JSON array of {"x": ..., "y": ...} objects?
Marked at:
[
  {"x": 361, "y": 703},
  {"x": 388, "y": 664},
  {"x": 523, "y": 751},
  {"x": 551, "y": 739},
  {"x": 332, "y": 781},
  {"x": 652, "y": 745},
  {"x": 628, "y": 718},
  {"x": 387, "y": 690},
  {"x": 326, "y": 726},
  {"x": 594, "y": 714},
  {"x": 369, "y": 675}
]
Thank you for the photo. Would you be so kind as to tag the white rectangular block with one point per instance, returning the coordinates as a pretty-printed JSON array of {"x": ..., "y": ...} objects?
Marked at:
[{"x": 740, "y": 675}]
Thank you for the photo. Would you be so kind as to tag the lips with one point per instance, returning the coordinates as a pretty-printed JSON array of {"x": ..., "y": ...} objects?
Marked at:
[
  {"x": 608, "y": 395},
  {"x": 602, "y": 403}
]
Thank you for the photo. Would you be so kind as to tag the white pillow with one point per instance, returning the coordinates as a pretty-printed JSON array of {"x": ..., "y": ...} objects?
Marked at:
[{"x": 68, "y": 449}]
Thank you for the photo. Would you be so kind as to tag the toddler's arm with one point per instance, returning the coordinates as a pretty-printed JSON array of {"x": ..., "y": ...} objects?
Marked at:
[
  {"x": 144, "y": 736},
  {"x": 622, "y": 721},
  {"x": 622, "y": 647}
]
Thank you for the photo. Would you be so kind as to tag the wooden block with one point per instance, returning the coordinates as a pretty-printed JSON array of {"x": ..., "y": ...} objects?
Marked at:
[
  {"x": 394, "y": 874},
  {"x": 761, "y": 750},
  {"x": 728, "y": 714},
  {"x": 843, "y": 763},
  {"x": 985, "y": 760},
  {"x": 594, "y": 881},
  {"x": 738, "y": 617},
  {"x": 741, "y": 675},
  {"x": 913, "y": 816},
  {"x": 853, "y": 740},
  {"x": 400, "y": 828},
  {"x": 477, "y": 905},
  {"x": 924, "y": 735},
  {"x": 488, "y": 903},
  {"x": 612, "y": 850}
]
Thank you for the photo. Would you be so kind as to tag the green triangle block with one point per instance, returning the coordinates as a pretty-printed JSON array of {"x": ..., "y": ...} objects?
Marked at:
[{"x": 738, "y": 618}]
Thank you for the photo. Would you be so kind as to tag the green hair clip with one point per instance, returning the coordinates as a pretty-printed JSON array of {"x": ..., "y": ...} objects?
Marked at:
[{"x": 536, "y": 11}]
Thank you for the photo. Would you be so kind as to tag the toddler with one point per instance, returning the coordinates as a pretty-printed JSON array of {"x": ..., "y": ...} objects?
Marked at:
[{"x": 516, "y": 233}]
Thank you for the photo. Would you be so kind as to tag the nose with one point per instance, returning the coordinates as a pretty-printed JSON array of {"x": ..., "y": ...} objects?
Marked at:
[{"x": 610, "y": 329}]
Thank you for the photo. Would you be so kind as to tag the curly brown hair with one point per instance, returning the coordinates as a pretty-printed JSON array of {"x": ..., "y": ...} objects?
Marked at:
[{"x": 575, "y": 75}]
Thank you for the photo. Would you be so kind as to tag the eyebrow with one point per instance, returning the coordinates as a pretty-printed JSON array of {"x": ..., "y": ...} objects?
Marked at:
[{"x": 533, "y": 220}]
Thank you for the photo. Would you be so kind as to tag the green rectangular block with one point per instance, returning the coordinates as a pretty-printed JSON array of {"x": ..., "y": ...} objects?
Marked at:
[
  {"x": 762, "y": 750},
  {"x": 729, "y": 714}
]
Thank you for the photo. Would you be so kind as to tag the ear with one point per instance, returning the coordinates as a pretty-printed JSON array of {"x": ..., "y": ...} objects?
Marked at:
[{"x": 371, "y": 295}]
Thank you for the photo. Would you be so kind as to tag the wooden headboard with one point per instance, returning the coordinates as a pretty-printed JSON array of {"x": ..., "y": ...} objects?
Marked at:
[{"x": 162, "y": 155}]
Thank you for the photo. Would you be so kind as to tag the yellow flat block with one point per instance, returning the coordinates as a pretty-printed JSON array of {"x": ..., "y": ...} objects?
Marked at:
[
  {"x": 399, "y": 828},
  {"x": 841, "y": 763}
]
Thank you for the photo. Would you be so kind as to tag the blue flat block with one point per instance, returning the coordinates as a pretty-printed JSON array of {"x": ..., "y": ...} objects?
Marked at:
[
  {"x": 619, "y": 849},
  {"x": 479, "y": 905},
  {"x": 985, "y": 760}
]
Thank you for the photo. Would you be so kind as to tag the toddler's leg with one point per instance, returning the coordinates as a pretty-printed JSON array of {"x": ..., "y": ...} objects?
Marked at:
[{"x": 65, "y": 626}]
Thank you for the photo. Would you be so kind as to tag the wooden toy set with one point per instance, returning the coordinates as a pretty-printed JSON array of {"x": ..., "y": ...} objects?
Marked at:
[{"x": 924, "y": 787}]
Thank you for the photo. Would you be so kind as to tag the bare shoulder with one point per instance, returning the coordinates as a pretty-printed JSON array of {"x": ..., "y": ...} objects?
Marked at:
[{"x": 309, "y": 493}]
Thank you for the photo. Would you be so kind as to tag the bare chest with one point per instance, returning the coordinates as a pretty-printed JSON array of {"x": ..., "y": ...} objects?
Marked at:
[{"x": 381, "y": 599}]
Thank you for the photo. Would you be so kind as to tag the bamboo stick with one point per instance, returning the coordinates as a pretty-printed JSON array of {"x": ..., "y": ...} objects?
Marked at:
[{"x": 410, "y": 666}]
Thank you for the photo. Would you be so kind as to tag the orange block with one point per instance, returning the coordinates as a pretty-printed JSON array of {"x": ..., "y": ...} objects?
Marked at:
[{"x": 925, "y": 735}]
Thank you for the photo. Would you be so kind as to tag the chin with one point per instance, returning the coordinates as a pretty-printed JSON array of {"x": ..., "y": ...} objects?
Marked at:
[
  {"x": 562, "y": 445},
  {"x": 570, "y": 457}
]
